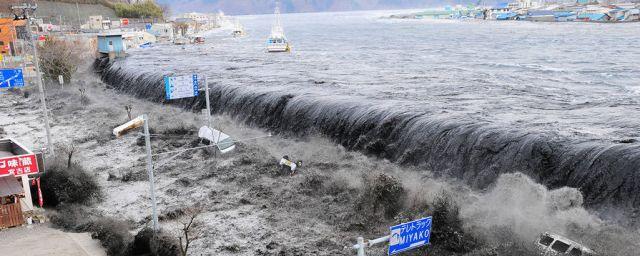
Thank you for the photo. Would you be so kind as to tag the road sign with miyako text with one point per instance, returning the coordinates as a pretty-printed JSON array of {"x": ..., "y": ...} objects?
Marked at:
[
  {"x": 410, "y": 235},
  {"x": 10, "y": 78}
]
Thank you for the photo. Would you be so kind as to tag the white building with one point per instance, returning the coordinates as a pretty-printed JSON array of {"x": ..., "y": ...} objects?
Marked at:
[
  {"x": 198, "y": 17},
  {"x": 162, "y": 31}
]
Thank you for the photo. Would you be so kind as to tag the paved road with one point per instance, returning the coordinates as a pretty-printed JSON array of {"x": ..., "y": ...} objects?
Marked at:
[{"x": 43, "y": 240}]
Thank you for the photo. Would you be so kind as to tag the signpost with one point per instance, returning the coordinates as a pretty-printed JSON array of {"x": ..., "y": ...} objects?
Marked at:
[
  {"x": 410, "y": 235},
  {"x": 404, "y": 237},
  {"x": 177, "y": 87},
  {"x": 10, "y": 78}
]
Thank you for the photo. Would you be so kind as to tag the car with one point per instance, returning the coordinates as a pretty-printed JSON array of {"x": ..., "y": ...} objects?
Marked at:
[{"x": 551, "y": 244}]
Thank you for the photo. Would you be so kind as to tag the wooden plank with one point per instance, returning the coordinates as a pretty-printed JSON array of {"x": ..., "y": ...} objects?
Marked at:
[{"x": 11, "y": 215}]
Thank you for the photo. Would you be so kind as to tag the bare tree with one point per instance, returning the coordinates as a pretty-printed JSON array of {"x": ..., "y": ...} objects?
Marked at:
[
  {"x": 84, "y": 100},
  {"x": 128, "y": 108},
  {"x": 68, "y": 149},
  {"x": 182, "y": 28},
  {"x": 188, "y": 230}
]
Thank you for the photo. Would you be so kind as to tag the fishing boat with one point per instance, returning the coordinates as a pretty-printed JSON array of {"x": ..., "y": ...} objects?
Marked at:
[
  {"x": 277, "y": 41},
  {"x": 238, "y": 30}
]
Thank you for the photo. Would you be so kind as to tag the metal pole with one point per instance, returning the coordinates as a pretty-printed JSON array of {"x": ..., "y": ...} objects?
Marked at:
[
  {"x": 78, "y": 12},
  {"x": 147, "y": 141},
  {"x": 206, "y": 84},
  {"x": 361, "y": 246},
  {"x": 41, "y": 88}
]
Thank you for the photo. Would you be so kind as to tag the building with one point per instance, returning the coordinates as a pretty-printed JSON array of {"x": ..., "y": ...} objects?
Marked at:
[
  {"x": 10, "y": 209},
  {"x": 8, "y": 36},
  {"x": 111, "y": 45},
  {"x": 198, "y": 17},
  {"x": 162, "y": 31},
  {"x": 594, "y": 17},
  {"x": 97, "y": 23},
  {"x": 16, "y": 164}
]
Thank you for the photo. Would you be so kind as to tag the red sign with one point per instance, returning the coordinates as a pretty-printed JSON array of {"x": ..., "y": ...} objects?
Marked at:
[
  {"x": 18, "y": 165},
  {"x": 124, "y": 22},
  {"x": 42, "y": 38}
]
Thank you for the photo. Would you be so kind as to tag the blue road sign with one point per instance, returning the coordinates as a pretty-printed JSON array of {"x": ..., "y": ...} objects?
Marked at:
[
  {"x": 10, "y": 78},
  {"x": 410, "y": 235},
  {"x": 177, "y": 87}
]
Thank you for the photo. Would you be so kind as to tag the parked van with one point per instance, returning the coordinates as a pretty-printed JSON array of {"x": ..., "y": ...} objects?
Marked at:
[{"x": 552, "y": 244}]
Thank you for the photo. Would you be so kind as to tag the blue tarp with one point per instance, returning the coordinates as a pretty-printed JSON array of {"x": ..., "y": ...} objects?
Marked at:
[
  {"x": 540, "y": 13},
  {"x": 564, "y": 14},
  {"x": 593, "y": 16},
  {"x": 506, "y": 16}
]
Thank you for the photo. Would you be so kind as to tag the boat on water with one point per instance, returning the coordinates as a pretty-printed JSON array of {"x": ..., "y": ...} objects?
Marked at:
[
  {"x": 238, "y": 30},
  {"x": 277, "y": 41}
]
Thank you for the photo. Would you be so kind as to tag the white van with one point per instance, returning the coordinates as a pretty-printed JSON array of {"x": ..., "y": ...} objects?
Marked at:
[{"x": 552, "y": 244}]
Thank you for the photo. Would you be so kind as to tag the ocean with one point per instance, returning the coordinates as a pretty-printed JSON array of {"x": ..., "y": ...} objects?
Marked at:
[{"x": 468, "y": 99}]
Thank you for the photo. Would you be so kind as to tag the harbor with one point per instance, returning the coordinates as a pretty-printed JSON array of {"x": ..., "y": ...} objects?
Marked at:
[
  {"x": 528, "y": 10},
  {"x": 299, "y": 128}
]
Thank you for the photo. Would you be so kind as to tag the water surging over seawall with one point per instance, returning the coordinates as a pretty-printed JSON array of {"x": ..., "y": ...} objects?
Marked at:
[{"x": 605, "y": 172}]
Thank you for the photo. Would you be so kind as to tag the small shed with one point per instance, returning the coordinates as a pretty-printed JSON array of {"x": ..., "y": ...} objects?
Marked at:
[
  {"x": 10, "y": 210},
  {"x": 111, "y": 43},
  {"x": 18, "y": 162}
]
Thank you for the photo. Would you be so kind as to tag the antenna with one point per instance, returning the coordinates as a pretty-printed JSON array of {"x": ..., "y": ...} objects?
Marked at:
[{"x": 276, "y": 30}]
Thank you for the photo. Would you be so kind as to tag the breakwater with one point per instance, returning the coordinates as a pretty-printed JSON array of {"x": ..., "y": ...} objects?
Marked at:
[{"x": 476, "y": 152}]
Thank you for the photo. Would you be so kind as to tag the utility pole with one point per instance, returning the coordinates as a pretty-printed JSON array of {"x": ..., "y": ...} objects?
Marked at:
[
  {"x": 78, "y": 12},
  {"x": 25, "y": 8},
  {"x": 208, "y": 104}
]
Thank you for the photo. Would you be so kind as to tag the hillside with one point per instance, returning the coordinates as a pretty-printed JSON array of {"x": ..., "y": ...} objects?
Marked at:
[{"x": 51, "y": 11}]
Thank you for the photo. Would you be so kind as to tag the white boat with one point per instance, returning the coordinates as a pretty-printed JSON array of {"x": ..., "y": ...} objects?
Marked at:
[
  {"x": 277, "y": 41},
  {"x": 238, "y": 30}
]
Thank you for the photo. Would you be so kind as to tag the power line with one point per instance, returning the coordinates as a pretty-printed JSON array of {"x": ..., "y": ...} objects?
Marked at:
[{"x": 207, "y": 146}]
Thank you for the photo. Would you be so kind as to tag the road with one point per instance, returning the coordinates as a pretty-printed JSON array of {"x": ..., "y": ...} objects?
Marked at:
[{"x": 39, "y": 239}]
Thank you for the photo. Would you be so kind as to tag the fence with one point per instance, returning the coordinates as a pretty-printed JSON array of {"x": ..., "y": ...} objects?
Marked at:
[{"x": 11, "y": 215}]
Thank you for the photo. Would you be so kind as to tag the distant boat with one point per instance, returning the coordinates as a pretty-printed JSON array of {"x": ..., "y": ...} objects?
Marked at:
[
  {"x": 238, "y": 30},
  {"x": 277, "y": 41}
]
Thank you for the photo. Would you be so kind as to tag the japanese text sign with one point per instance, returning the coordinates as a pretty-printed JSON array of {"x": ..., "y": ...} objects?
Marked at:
[
  {"x": 410, "y": 235},
  {"x": 18, "y": 165}
]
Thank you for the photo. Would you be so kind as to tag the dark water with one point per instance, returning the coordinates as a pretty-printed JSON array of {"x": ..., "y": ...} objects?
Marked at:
[{"x": 468, "y": 99}]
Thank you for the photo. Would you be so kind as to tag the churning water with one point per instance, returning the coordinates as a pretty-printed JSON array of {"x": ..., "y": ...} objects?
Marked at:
[{"x": 468, "y": 99}]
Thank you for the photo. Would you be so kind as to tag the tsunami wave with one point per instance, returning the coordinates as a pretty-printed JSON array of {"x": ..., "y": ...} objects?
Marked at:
[{"x": 475, "y": 152}]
